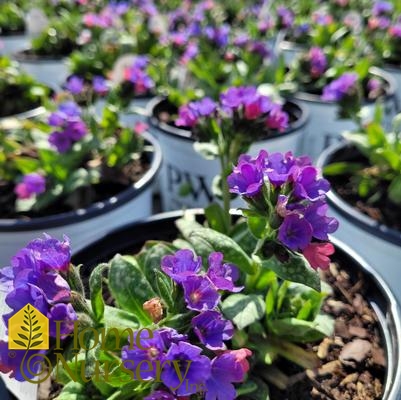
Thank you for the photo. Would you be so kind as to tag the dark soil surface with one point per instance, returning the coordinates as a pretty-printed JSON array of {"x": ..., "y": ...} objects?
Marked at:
[
  {"x": 112, "y": 183},
  {"x": 353, "y": 360},
  {"x": 381, "y": 210},
  {"x": 17, "y": 101}
]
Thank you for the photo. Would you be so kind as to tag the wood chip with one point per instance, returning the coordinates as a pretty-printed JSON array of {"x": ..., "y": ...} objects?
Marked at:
[
  {"x": 357, "y": 350},
  {"x": 358, "y": 331},
  {"x": 349, "y": 379}
]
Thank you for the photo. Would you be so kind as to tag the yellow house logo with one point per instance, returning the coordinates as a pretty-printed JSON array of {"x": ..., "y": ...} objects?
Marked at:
[{"x": 28, "y": 329}]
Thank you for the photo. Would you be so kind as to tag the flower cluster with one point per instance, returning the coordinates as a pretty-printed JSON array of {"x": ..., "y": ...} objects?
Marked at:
[
  {"x": 31, "y": 184},
  {"x": 214, "y": 375},
  {"x": 136, "y": 75},
  {"x": 244, "y": 103},
  {"x": 318, "y": 62},
  {"x": 340, "y": 87},
  {"x": 77, "y": 85},
  {"x": 36, "y": 277},
  {"x": 71, "y": 128},
  {"x": 297, "y": 196}
]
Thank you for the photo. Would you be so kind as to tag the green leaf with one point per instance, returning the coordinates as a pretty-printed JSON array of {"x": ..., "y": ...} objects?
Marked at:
[
  {"x": 341, "y": 168},
  {"x": 73, "y": 391},
  {"x": 257, "y": 225},
  {"x": 20, "y": 342},
  {"x": 96, "y": 292},
  {"x": 165, "y": 289},
  {"x": 216, "y": 218},
  {"x": 129, "y": 287},
  {"x": 207, "y": 240},
  {"x": 243, "y": 309},
  {"x": 394, "y": 190},
  {"x": 376, "y": 135},
  {"x": 297, "y": 330},
  {"x": 296, "y": 269},
  {"x": 36, "y": 343}
]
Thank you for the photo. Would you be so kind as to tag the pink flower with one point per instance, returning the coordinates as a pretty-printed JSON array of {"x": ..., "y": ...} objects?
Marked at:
[
  {"x": 140, "y": 127},
  {"x": 317, "y": 254},
  {"x": 240, "y": 357}
]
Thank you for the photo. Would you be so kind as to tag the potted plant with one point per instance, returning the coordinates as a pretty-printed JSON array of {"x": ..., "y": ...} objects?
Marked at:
[
  {"x": 24, "y": 95},
  {"x": 219, "y": 131},
  {"x": 45, "y": 59},
  {"x": 216, "y": 316},
  {"x": 365, "y": 196},
  {"x": 12, "y": 28},
  {"x": 131, "y": 88},
  {"x": 339, "y": 89},
  {"x": 74, "y": 173}
]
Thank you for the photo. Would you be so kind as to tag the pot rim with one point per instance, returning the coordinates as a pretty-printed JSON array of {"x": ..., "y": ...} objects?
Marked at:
[
  {"x": 390, "y": 95},
  {"x": 361, "y": 220},
  {"x": 388, "y": 319},
  {"x": 32, "y": 113},
  {"x": 187, "y": 135},
  {"x": 95, "y": 209},
  {"x": 19, "y": 56}
]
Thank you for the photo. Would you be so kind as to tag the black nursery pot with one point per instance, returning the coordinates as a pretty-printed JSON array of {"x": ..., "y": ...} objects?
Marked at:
[{"x": 130, "y": 238}]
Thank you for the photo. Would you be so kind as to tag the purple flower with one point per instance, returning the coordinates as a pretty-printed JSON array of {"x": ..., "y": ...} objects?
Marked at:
[
  {"x": 277, "y": 118},
  {"x": 308, "y": 186},
  {"x": 200, "y": 293},
  {"x": 222, "y": 275},
  {"x": 340, "y": 87},
  {"x": 33, "y": 278},
  {"x": 318, "y": 62},
  {"x": 225, "y": 370},
  {"x": 190, "y": 52},
  {"x": 32, "y": 184},
  {"x": 181, "y": 265},
  {"x": 279, "y": 168},
  {"x": 61, "y": 312},
  {"x": 219, "y": 35},
  {"x": 186, "y": 116},
  {"x": 322, "y": 225},
  {"x": 382, "y": 7},
  {"x": 189, "y": 114},
  {"x": 71, "y": 127},
  {"x": 12, "y": 365},
  {"x": 150, "y": 349},
  {"x": 170, "y": 335},
  {"x": 295, "y": 232},
  {"x": 137, "y": 75},
  {"x": 286, "y": 17},
  {"x": 75, "y": 84},
  {"x": 194, "y": 373},
  {"x": 61, "y": 141},
  {"x": 44, "y": 255},
  {"x": 212, "y": 330},
  {"x": 204, "y": 107},
  {"x": 70, "y": 109},
  {"x": 99, "y": 85},
  {"x": 247, "y": 177}
]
